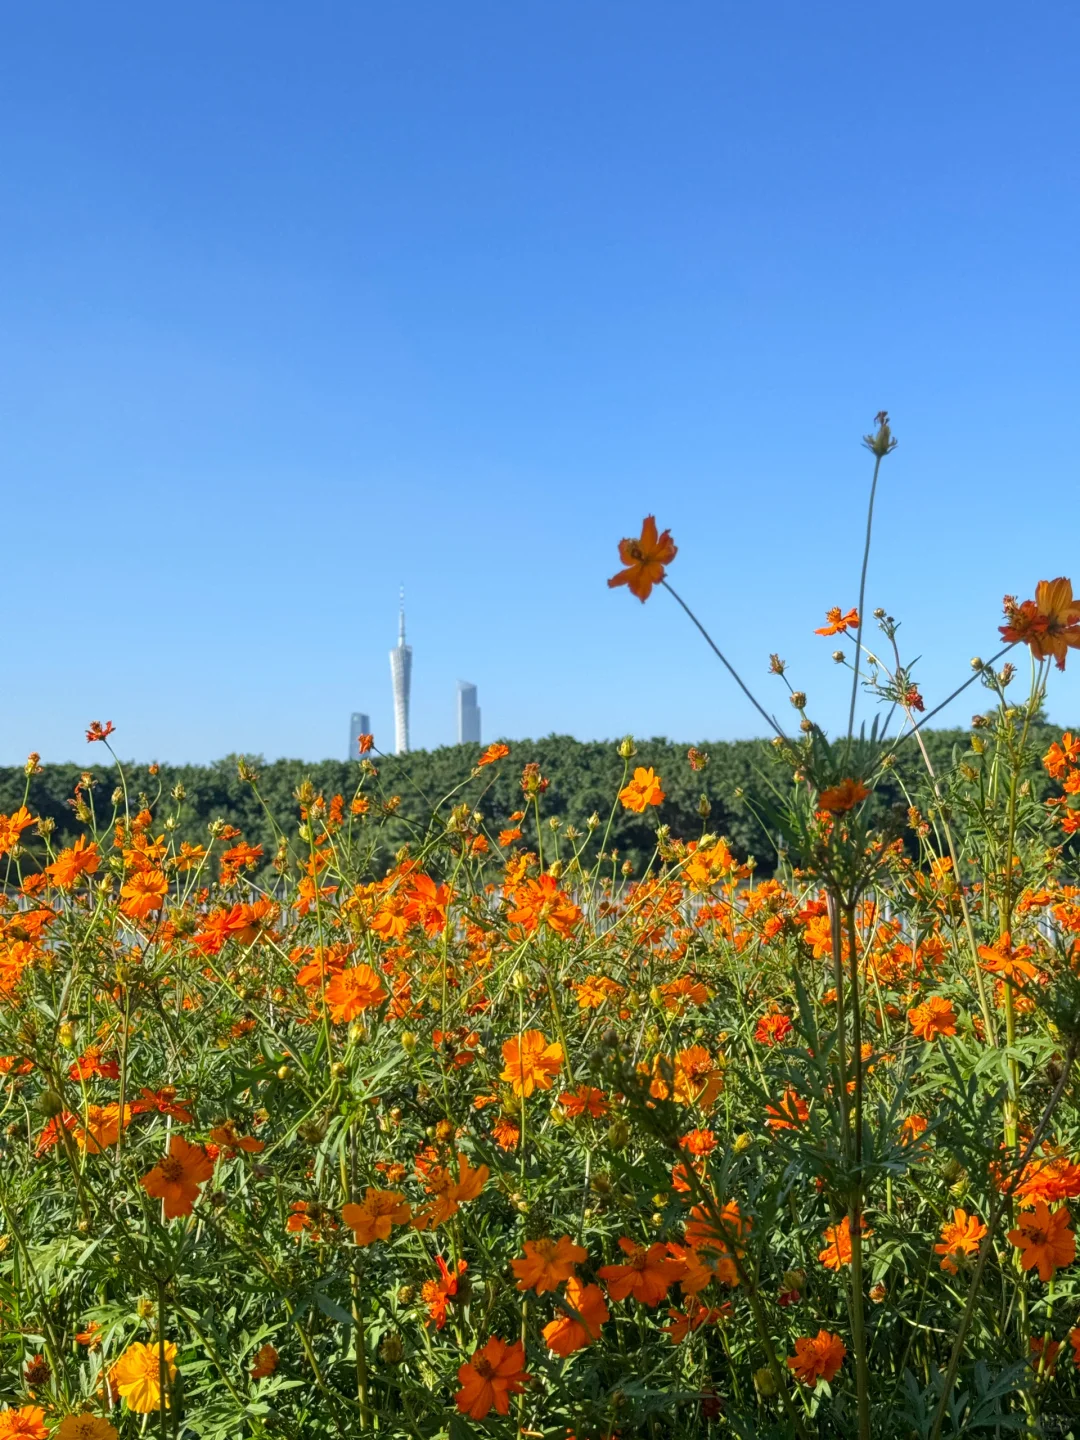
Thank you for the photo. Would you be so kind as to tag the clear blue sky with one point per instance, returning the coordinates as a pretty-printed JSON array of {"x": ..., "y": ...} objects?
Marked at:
[{"x": 301, "y": 302}]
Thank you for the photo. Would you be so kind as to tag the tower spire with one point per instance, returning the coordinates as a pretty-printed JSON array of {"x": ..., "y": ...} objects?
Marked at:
[{"x": 401, "y": 676}]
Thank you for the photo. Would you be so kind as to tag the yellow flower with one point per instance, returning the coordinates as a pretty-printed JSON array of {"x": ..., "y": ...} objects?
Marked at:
[{"x": 137, "y": 1376}]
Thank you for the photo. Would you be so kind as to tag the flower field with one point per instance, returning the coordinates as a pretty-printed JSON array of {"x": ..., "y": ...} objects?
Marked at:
[{"x": 506, "y": 1141}]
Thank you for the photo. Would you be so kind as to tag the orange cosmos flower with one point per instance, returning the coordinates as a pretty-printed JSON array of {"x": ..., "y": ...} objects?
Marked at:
[
  {"x": 102, "y": 1129},
  {"x": 845, "y": 796},
  {"x": 450, "y": 1192},
  {"x": 376, "y": 1215},
  {"x": 818, "y": 1358},
  {"x": 28, "y": 1421},
  {"x": 960, "y": 1239},
  {"x": 837, "y": 623},
  {"x": 352, "y": 992},
  {"x": 646, "y": 559},
  {"x": 493, "y": 753},
  {"x": 647, "y": 1275},
  {"x": 69, "y": 865},
  {"x": 773, "y": 1029},
  {"x": 1045, "y": 1240},
  {"x": 580, "y": 1326},
  {"x": 541, "y": 902},
  {"x": 163, "y": 1102},
  {"x": 175, "y": 1180},
  {"x": 437, "y": 1294},
  {"x": 136, "y": 1376},
  {"x": 643, "y": 790},
  {"x": 933, "y": 1017},
  {"x": 232, "y": 1142},
  {"x": 1049, "y": 624},
  {"x": 790, "y": 1111},
  {"x": 97, "y": 731},
  {"x": 143, "y": 894},
  {"x": 266, "y": 1362},
  {"x": 12, "y": 826},
  {"x": 585, "y": 1100},
  {"x": 531, "y": 1063},
  {"x": 85, "y": 1427},
  {"x": 547, "y": 1263},
  {"x": 1060, "y": 758},
  {"x": 1012, "y": 965},
  {"x": 495, "y": 1372},
  {"x": 837, "y": 1239}
]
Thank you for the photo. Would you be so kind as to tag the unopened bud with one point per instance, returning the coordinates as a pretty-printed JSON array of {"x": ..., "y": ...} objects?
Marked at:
[{"x": 627, "y": 748}]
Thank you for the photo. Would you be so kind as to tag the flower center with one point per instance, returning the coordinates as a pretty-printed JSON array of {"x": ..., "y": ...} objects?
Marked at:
[
  {"x": 483, "y": 1368},
  {"x": 171, "y": 1168}
]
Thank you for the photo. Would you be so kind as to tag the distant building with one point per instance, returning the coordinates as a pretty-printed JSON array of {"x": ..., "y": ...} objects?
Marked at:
[
  {"x": 468, "y": 714},
  {"x": 360, "y": 724},
  {"x": 401, "y": 675}
]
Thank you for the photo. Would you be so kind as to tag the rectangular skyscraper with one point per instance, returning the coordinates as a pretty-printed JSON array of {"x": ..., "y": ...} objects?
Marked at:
[
  {"x": 468, "y": 714},
  {"x": 360, "y": 724}
]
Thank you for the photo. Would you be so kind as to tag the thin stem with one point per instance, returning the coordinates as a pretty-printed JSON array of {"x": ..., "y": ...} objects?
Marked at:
[
  {"x": 862, "y": 597},
  {"x": 725, "y": 661}
]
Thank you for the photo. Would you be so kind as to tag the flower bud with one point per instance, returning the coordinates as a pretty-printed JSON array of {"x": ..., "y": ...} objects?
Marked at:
[
  {"x": 743, "y": 1141},
  {"x": 627, "y": 748},
  {"x": 408, "y": 1041},
  {"x": 618, "y": 1134},
  {"x": 66, "y": 1035},
  {"x": 765, "y": 1383},
  {"x": 881, "y": 442},
  {"x": 391, "y": 1351},
  {"x": 798, "y": 699}
]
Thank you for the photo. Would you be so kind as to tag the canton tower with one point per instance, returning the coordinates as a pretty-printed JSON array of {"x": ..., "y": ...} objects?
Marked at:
[{"x": 401, "y": 675}]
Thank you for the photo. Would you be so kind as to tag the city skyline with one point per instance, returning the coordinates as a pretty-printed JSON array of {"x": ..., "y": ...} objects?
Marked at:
[{"x": 468, "y": 709}]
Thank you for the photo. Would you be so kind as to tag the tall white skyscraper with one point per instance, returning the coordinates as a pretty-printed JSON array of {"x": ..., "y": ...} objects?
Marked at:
[
  {"x": 360, "y": 724},
  {"x": 468, "y": 714},
  {"x": 401, "y": 675}
]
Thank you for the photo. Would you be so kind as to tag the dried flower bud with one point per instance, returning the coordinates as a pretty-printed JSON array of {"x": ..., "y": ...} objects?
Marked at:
[
  {"x": 881, "y": 442},
  {"x": 776, "y": 665},
  {"x": 798, "y": 699}
]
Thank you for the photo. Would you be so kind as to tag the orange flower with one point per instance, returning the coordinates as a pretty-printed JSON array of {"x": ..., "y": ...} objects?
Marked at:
[
  {"x": 837, "y": 1239},
  {"x": 494, "y": 1373},
  {"x": 580, "y": 1326},
  {"x": 12, "y": 826},
  {"x": 818, "y": 1358},
  {"x": 647, "y": 1275},
  {"x": 837, "y": 623},
  {"x": 437, "y": 1294},
  {"x": 28, "y": 1421},
  {"x": 102, "y": 1128},
  {"x": 493, "y": 753},
  {"x": 450, "y": 1192},
  {"x": 643, "y": 790},
  {"x": 547, "y": 1263},
  {"x": 531, "y": 1063},
  {"x": 231, "y": 1141},
  {"x": 1045, "y": 1240},
  {"x": 1060, "y": 758},
  {"x": 136, "y": 1376},
  {"x": 1049, "y": 624},
  {"x": 845, "y": 796},
  {"x": 585, "y": 1100},
  {"x": 773, "y": 1029},
  {"x": 98, "y": 731},
  {"x": 1012, "y": 965},
  {"x": 790, "y": 1111},
  {"x": 143, "y": 894},
  {"x": 697, "y": 1078},
  {"x": 85, "y": 1427},
  {"x": 175, "y": 1180},
  {"x": 352, "y": 992},
  {"x": 646, "y": 560},
  {"x": 376, "y": 1215},
  {"x": 960, "y": 1239},
  {"x": 266, "y": 1362},
  {"x": 933, "y": 1017},
  {"x": 81, "y": 859},
  {"x": 541, "y": 902}
]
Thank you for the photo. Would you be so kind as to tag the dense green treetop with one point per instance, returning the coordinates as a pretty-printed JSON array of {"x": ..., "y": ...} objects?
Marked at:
[{"x": 584, "y": 777}]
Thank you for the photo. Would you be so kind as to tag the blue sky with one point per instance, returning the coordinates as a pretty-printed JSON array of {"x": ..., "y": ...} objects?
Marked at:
[{"x": 301, "y": 303}]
